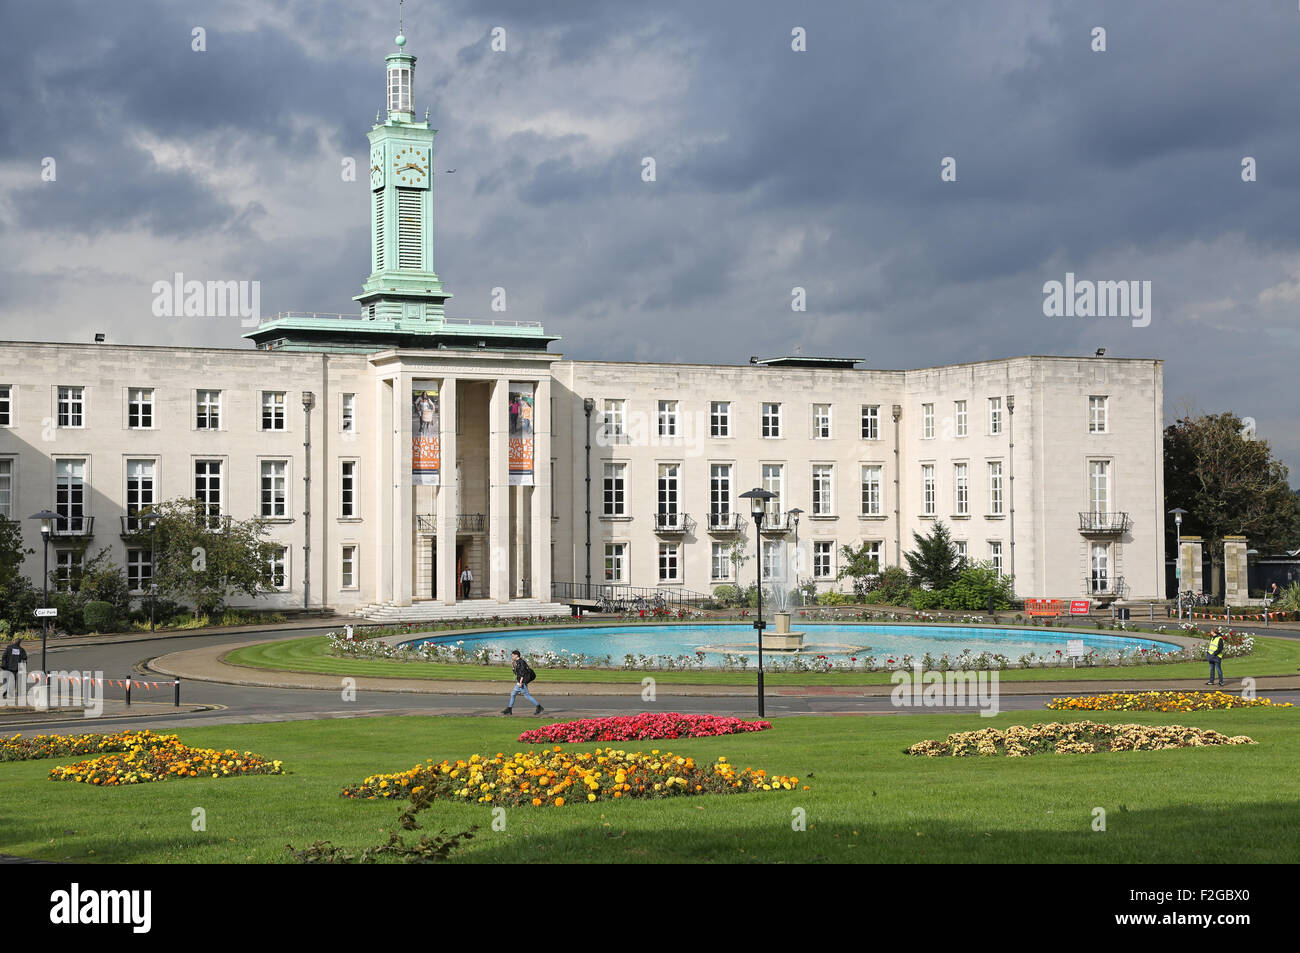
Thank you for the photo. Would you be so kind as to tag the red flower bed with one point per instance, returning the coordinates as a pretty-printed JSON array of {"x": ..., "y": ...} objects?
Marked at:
[{"x": 643, "y": 727}]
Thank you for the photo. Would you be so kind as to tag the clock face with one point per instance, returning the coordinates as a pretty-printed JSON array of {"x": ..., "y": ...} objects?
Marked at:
[
  {"x": 377, "y": 167},
  {"x": 410, "y": 166}
]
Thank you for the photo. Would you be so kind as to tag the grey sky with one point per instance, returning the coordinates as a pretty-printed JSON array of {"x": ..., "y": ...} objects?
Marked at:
[{"x": 775, "y": 169}]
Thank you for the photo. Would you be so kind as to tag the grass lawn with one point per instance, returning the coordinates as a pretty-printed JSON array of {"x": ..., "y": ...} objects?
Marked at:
[
  {"x": 869, "y": 802},
  {"x": 1272, "y": 656}
]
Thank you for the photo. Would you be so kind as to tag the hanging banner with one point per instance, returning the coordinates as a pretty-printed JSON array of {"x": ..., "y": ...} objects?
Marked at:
[
  {"x": 424, "y": 437},
  {"x": 521, "y": 434}
]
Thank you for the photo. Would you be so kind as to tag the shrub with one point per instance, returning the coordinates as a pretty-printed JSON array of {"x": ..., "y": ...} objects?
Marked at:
[
  {"x": 833, "y": 598},
  {"x": 975, "y": 584},
  {"x": 921, "y": 599},
  {"x": 726, "y": 595},
  {"x": 100, "y": 617},
  {"x": 895, "y": 587}
]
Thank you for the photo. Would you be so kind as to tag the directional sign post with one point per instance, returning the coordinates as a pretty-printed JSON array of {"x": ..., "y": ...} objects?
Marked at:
[{"x": 49, "y": 613}]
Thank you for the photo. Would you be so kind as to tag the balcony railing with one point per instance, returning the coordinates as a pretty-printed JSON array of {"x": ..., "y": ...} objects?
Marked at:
[
  {"x": 465, "y": 523},
  {"x": 1108, "y": 586},
  {"x": 1104, "y": 522},
  {"x": 675, "y": 522},
  {"x": 724, "y": 522},
  {"x": 74, "y": 526},
  {"x": 134, "y": 526},
  {"x": 776, "y": 523}
]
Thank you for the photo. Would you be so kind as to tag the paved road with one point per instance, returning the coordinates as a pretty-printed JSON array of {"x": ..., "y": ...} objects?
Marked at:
[{"x": 232, "y": 704}]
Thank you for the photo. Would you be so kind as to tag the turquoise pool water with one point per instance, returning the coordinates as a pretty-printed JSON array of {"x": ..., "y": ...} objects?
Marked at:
[{"x": 832, "y": 640}]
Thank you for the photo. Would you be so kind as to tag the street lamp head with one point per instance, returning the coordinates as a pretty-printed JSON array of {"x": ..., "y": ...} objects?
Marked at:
[
  {"x": 758, "y": 498},
  {"x": 588, "y": 405},
  {"x": 1178, "y": 515},
  {"x": 308, "y": 400},
  {"x": 795, "y": 514},
  {"x": 47, "y": 518}
]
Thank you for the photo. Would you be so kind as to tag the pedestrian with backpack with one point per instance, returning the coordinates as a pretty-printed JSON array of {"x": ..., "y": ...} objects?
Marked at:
[{"x": 523, "y": 675}]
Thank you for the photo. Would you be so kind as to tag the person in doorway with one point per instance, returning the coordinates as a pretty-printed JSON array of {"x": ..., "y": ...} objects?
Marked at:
[
  {"x": 15, "y": 658},
  {"x": 523, "y": 675},
  {"x": 466, "y": 581},
  {"x": 1214, "y": 655}
]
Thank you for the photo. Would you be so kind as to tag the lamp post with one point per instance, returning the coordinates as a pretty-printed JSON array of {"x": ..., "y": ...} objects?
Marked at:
[
  {"x": 152, "y": 519},
  {"x": 798, "y": 559},
  {"x": 1178, "y": 556},
  {"x": 758, "y": 498},
  {"x": 47, "y": 518}
]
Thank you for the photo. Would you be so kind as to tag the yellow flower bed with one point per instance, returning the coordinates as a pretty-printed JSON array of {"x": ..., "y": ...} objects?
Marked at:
[
  {"x": 1161, "y": 701},
  {"x": 162, "y": 762},
  {"x": 553, "y": 778},
  {"x": 17, "y": 748},
  {"x": 1080, "y": 737}
]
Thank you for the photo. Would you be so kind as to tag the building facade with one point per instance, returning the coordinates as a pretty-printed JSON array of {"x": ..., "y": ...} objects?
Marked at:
[{"x": 392, "y": 450}]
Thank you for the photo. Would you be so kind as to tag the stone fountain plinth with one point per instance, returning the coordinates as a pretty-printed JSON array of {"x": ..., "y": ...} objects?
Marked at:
[{"x": 782, "y": 640}]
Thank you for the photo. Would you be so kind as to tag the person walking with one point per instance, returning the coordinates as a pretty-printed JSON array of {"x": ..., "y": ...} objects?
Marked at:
[
  {"x": 15, "y": 658},
  {"x": 466, "y": 581},
  {"x": 1214, "y": 654},
  {"x": 523, "y": 675}
]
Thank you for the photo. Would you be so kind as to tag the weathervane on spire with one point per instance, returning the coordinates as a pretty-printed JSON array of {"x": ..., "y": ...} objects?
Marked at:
[{"x": 401, "y": 31}]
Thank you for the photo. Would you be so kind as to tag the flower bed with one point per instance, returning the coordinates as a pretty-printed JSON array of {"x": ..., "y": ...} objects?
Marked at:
[
  {"x": 37, "y": 747},
  {"x": 644, "y": 727},
  {"x": 553, "y": 778},
  {"x": 1080, "y": 737},
  {"x": 1161, "y": 701},
  {"x": 162, "y": 762}
]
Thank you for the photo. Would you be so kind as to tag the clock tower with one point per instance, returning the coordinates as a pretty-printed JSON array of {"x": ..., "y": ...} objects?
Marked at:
[{"x": 402, "y": 286}]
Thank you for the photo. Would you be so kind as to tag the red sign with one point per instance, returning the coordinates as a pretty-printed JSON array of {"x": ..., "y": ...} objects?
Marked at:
[{"x": 1079, "y": 607}]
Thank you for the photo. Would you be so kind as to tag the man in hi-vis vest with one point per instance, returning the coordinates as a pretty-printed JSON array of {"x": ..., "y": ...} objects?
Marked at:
[{"x": 1214, "y": 653}]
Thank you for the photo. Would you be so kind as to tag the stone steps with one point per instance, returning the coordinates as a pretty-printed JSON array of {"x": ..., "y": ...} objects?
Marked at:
[{"x": 470, "y": 609}]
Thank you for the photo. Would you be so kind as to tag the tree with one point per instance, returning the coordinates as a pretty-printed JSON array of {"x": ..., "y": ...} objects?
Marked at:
[
  {"x": 859, "y": 564},
  {"x": 1229, "y": 484},
  {"x": 935, "y": 561},
  {"x": 18, "y": 597},
  {"x": 204, "y": 560}
]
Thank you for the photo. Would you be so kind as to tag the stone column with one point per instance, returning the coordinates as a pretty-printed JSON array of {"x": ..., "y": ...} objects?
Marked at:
[
  {"x": 499, "y": 491},
  {"x": 540, "y": 578},
  {"x": 1235, "y": 589},
  {"x": 403, "y": 525},
  {"x": 447, "y": 513},
  {"x": 1189, "y": 560}
]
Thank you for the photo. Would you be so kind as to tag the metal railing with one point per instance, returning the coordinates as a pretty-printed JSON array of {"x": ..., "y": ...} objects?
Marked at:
[
  {"x": 615, "y": 597},
  {"x": 134, "y": 525},
  {"x": 778, "y": 523},
  {"x": 1103, "y": 522},
  {"x": 724, "y": 522},
  {"x": 465, "y": 523},
  {"x": 675, "y": 522},
  {"x": 1104, "y": 586},
  {"x": 492, "y": 322},
  {"x": 74, "y": 526}
]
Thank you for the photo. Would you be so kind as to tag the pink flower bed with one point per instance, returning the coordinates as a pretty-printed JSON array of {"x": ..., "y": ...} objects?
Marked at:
[{"x": 642, "y": 728}]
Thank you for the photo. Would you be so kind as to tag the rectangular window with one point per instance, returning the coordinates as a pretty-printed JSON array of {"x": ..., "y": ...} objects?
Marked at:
[
  {"x": 70, "y": 495},
  {"x": 668, "y": 418},
  {"x": 927, "y": 489},
  {"x": 873, "y": 552},
  {"x": 1100, "y": 567},
  {"x": 616, "y": 562},
  {"x": 669, "y": 562},
  {"x": 720, "y": 562},
  {"x": 7, "y": 488},
  {"x": 66, "y": 565},
  {"x": 995, "y": 557},
  {"x": 822, "y": 421},
  {"x": 823, "y": 490},
  {"x": 772, "y": 559},
  {"x": 771, "y": 420},
  {"x": 6, "y": 405},
  {"x": 871, "y": 501},
  {"x": 272, "y": 410},
  {"x": 773, "y": 482},
  {"x": 208, "y": 404},
  {"x": 959, "y": 417},
  {"x": 668, "y": 495},
  {"x": 823, "y": 557},
  {"x": 927, "y": 421},
  {"x": 719, "y": 494},
  {"x": 140, "y": 482},
  {"x": 139, "y": 408},
  {"x": 348, "y": 489},
  {"x": 139, "y": 572},
  {"x": 348, "y": 568},
  {"x": 870, "y": 422},
  {"x": 1097, "y": 422},
  {"x": 72, "y": 406},
  {"x": 995, "y": 487},
  {"x": 349, "y": 413},
  {"x": 1099, "y": 486},
  {"x": 720, "y": 418},
  {"x": 995, "y": 416},
  {"x": 615, "y": 421},
  {"x": 207, "y": 489},
  {"x": 961, "y": 489},
  {"x": 277, "y": 570},
  {"x": 379, "y": 239},
  {"x": 410, "y": 238},
  {"x": 960, "y": 544},
  {"x": 274, "y": 489},
  {"x": 615, "y": 499}
]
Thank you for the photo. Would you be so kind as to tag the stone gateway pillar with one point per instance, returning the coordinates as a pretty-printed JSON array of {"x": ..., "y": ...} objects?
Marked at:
[
  {"x": 1236, "y": 591},
  {"x": 1191, "y": 576}
]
